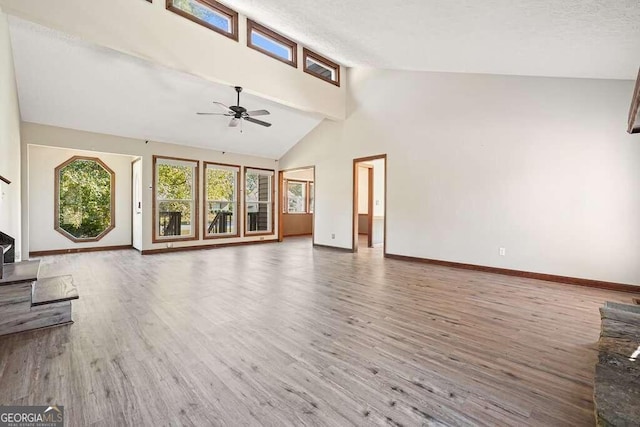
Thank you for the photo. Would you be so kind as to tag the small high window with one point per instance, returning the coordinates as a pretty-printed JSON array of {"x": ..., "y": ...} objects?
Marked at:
[
  {"x": 85, "y": 199},
  {"x": 208, "y": 13},
  {"x": 271, "y": 43},
  {"x": 321, "y": 67}
]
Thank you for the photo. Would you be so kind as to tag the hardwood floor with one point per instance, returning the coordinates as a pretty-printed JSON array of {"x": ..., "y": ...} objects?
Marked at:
[{"x": 284, "y": 334}]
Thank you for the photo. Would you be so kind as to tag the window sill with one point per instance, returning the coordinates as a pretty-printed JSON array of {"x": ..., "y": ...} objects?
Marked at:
[
  {"x": 171, "y": 240},
  {"x": 221, "y": 236},
  {"x": 254, "y": 234}
]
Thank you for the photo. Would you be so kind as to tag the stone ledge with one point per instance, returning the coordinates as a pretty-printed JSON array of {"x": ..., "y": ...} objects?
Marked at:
[{"x": 617, "y": 381}]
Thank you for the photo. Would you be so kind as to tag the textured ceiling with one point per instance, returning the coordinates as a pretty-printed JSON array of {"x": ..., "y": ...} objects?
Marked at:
[
  {"x": 563, "y": 38},
  {"x": 66, "y": 82}
]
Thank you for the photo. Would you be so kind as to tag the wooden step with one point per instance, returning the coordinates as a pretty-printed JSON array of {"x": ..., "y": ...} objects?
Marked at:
[
  {"x": 17, "y": 314},
  {"x": 50, "y": 290},
  {"x": 44, "y": 316},
  {"x": 19, "y": 272}
]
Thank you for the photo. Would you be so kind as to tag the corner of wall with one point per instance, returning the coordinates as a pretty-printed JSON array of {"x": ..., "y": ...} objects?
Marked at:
[{"x": 10, "y": 165}]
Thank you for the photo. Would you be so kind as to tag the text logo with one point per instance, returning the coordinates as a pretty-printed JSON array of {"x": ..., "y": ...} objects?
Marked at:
[{"x": 31, "y": 416}]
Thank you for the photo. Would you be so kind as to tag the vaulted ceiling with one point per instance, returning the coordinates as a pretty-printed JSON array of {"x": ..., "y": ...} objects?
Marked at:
[
  {"x": 66, "y": 82},
  {"x": 563, "y": 38}
]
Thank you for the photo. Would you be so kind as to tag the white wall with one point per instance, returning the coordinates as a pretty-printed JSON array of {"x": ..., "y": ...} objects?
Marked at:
[
  {"x": 300, "y": 175},
  {"x": 378, "y": 201},
  {"x": 363, "y": 190},
  {"x": 378, "y": 187},
  {"x": 149, "y": 31},
  {"x": 42, "y": 164},
  {"x": 540, "y": 166},
  {"x": 35, "y": 134},
  {"x": 10, "y": 195}
]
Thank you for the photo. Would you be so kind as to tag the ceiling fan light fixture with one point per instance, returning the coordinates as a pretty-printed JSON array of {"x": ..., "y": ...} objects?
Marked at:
[{"x": 239, "y": 113}]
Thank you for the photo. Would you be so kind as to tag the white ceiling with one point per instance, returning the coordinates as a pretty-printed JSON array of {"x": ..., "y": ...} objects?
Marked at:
[
  {"x": 66, "y": 82},
  {"x": 563, "y": 38}
]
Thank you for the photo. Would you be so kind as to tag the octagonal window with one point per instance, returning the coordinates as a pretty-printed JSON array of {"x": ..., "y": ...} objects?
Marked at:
[{"x": 85, "y": 199}]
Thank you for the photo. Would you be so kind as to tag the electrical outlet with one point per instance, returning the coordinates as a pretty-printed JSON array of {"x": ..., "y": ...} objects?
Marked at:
[
  {"x": 503, "y": 252},
  {"x": 169, "y": 245},
  {"x": 333, "y": 236}
]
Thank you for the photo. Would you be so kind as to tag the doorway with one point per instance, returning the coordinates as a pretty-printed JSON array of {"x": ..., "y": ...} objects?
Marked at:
[
  {"x": 369, "y": 202},
  {"x": 297, "y": 203}
]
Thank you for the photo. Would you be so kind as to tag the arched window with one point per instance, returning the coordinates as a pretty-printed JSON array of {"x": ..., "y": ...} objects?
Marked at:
[{"x": 85, "y": 199}]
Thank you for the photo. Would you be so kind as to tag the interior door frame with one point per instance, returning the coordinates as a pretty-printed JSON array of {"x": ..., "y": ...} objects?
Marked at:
[
  {"x": 282, "y": 193},
  {"x": 370, "y": 208},
  {"x": 369, "y": 169},
  {"x": 354, "y": 224}
]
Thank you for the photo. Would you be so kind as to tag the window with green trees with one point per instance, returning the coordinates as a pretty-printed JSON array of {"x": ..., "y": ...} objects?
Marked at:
[
  {"x": 221, "y": 200},
  {"x": 208, "y": 13},
  {"x": 176, "y": 194},
  {"x": 259, "y": 207},
  {"x": 85, "y": 199},
  {"x": 297, "y": 196}
]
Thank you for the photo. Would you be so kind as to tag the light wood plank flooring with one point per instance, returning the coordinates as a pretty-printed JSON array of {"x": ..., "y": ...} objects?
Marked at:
[{"x": 283, "y": 334}]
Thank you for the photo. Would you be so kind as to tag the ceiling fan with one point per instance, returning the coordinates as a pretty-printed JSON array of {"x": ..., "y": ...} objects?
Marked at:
[{"x": 238, "y": 113}]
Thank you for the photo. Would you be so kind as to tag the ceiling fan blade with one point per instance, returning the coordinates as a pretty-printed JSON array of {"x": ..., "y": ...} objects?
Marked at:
[
  {"x": 234, "y": 122},
  {"x": 258, "y": 122},
  {"x": 214, "y": 114},
  {"x": 258, "y": 113},
  {"x": 221, "y": 105}
]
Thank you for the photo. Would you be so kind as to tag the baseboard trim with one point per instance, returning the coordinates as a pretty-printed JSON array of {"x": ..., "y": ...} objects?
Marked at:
[
  {"x": 620, "y": 287},
  {"x": 204, "y": 247},
  {"x": 79, "y": 250},
  {"x": 335, "y": 248}
]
